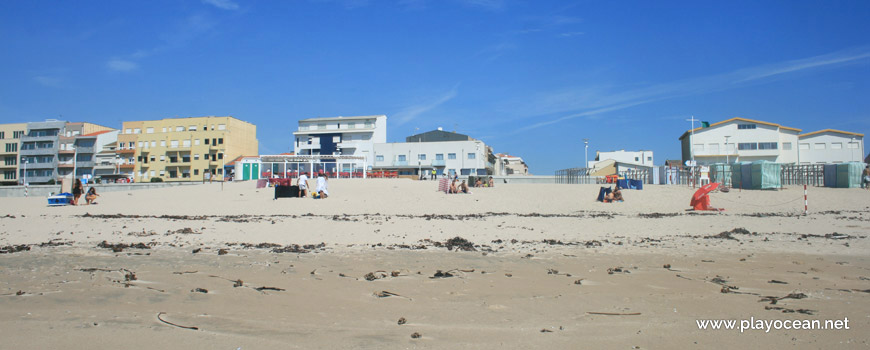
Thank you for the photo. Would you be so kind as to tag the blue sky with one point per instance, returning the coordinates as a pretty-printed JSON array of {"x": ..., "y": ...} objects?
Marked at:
[{"x": 530, "y": 78}]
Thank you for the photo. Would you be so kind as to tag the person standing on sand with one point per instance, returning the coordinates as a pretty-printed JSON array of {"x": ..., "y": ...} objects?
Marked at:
[
  {"x": 303, "y": 185},
  {"x": 77, "y": 192},
  {"x": 865, "y": 178},
  {"x": 322, "y": 189}
]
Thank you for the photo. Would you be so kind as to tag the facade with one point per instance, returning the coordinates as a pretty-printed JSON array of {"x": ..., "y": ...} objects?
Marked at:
[
  {"x": 446, "y": 157},
  {"x": 10, "y": 135},
  {"x": 39, "y": 150},
  {"x": 644, "y": 158},
  {"x": 508, "y": 165},
  {"x": 350, "y": 136},
  {"x": 741, "y": 140},
  {"x": 183, "y": 149},
  {"x": 78, "y": 147},
  {"x": 107, "y": 162},
  {"x": 830, "y": 146}
]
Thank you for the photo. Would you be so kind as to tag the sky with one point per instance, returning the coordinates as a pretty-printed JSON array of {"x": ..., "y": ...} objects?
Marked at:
[{"x": 531, "y": 78}]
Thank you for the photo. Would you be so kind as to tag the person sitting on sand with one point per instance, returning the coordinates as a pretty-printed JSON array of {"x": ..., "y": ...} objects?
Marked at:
[
  {"x": 478, "y": 183},
  {"x": 463, "y": 187},
  {"x": 321, "y": 188},
  {"x": 453, "y": 188},
  {"x": 617, "y": 195},
  {"x": 91, "y": 196},
  {"x": 490, "y": 184}
]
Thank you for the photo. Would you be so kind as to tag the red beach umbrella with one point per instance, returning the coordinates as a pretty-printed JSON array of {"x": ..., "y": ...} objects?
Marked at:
[{"x": 700, "y": 200}]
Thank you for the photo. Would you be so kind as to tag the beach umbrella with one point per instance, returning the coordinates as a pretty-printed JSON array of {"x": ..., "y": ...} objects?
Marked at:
[{"x": 701, "y": 200}]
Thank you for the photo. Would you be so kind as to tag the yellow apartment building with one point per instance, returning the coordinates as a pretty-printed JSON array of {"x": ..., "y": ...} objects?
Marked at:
[
  {"x": 10, "y": 137},
  {"x": 184, "y": 149}
]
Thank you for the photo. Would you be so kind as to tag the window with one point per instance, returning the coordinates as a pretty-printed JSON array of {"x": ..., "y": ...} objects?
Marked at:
[
  {"x": 351, "y": 125},
  {"x": 819, "y": 146},
  {"x": 185, "y": 158},
  {"x": 421, "y": 157},
  {"x": 162, "y": 158},
  {"x": 137, "y": 131},
  {"x": 152, "y": 159},
  {"x": 191, "y": 128},
  {"x": 164, "y": 130},
  {"x": 2, "y": 135},
  {"x": 173, "y": 174},
  {"x": 149, "y": 130},
  {"x": 11, "y": 160},
  {"x": 128, "y": 131},
  {"x": 179, "y": 128},
  {"x": 336, "y": 139},
  {"x": 152, "y": 173},
  {"x": 173, "y": 144},
  {"x": 472, "y": 156},
  {"x": 767, "y": 145},
  {"x": 140, "y": 144},
  {"x": 853, "y": 145},
  {"x": 13, "y": 147},
  {"x": 212, "y": 127},
  {"x": 369, "y": 124},
  {"x": 222, "y": 126},
  {"x": 747, "y": 146},
  {"x": 698, "y": 147},
  {"x": 786, "y": 146},
  {"x": 402, "y": 158},
  {"x": 162, "y": 143},
  {"x": 220, "y": 156},
  {"x": 379, "y": 158},
  {"x": 451, "y": 155},
  {"x": 220, "y": 141},
  {"x": 185, "y": 143},
  {"x": 162, "y": 172},
  {"x": 321, "y": 126},
  {"x": 9, "y": 175},
  {"x": 173, "y": 159},
  {"x": 196, "y": 142},
  {"x": 206, "y": 141},
  {"x": 309, "y": 140},
  {"x": 804, "y": 146},
  {"x": 195, "y": 172},
  {"x": 836, "y": 145},
  {"x": 745, "y": 126},
  {"x": 649, "y": 159},
  {"x": 17, "y": 134},
  {"x": 439, "y": 156},
  {"x": 636, "y": 159},
  {"x": 196, "y": 156},
  {"x": 205, "y": 156}
]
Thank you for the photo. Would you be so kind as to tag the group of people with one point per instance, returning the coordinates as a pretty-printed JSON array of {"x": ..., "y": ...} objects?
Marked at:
[
  {"x": 78, "y": 189},
  {"x": 462, "y": 187},
  {"x": 321, "y": 191}
]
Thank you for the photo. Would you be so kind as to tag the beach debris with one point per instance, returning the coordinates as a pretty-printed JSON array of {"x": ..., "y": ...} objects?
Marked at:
[
  {"x": 773, "y": 300},
  {"x": 613, "y": 270},
  {"x": 129, "y": 276},
  {"x": 578, "y": 282},
  {"x": 119, "y": 247},
  {"x": 295, "y": 248},
  {"x": 613, "y": 313},
  {"x": 508, "y": 275},
  {"x": 384, "y": 294},
  {"x": 439, "y": 274},
  {"x": 238, "y": 283},
  {"x": 199, "y": 290},
  {"x": 173, "y": 324},
  {"x": 788, "y": 311},
  {"x": 777, "y": 282},
  {"x": 402, "y": 321},
  {"x": 544, "y": 330},
  {"x": 19, "y": 293},
  {"x": 667, "y": 266},
  {"x": 658, "y": 215},
  {"x": 183, "y": 272},
  {"x": 395, "y": 273},
  {"x": 416, "y": 335},
  {"x": 371, "y": 276},
  {"x": 222, "y": 251},
  {"x": 197, "y": 250},
  {"x": 457, "y": 242},
  {"x": 14, "y": 249},
  {"x": 276, "y": 289}
]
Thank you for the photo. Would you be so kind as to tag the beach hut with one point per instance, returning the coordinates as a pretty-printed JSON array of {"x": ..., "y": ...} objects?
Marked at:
[
  {"x": 721, "y": 173},
  {"x": 758, "y": 175},
  {"x": 849, "y": 174}
]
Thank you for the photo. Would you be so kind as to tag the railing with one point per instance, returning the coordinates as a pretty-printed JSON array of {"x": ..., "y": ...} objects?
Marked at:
[
  {"x": 400, "y": 163},
  {"x": 577, "y": 176},
  {"x": 439, "y": 162},
  {"x": 806, "y": 174}
]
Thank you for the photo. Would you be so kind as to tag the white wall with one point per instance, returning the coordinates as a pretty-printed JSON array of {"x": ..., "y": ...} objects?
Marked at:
[
  {"x": 637, "y": 157},
  {"x": 357, "y": 141},
  {"x": 411, "y": 150},
  {"x": 708, "y": 145},
  {"x": 831, "y": 147}
]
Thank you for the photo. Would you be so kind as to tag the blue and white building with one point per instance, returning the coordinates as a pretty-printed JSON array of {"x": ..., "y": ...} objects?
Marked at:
[{"x": 348, "y": 136}]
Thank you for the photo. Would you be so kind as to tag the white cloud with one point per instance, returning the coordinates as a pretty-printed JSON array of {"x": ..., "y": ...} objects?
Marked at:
[
  {"x": 412, "y": 112},
  {"x": 120, "y": 65},
  {"x": 222, "y": 4},
  {"x": 48, "y": 81},
  {"x": 571, "y": 34},
  {"x": 589, "y": 102},
  {"x": 493, "y": 5}
]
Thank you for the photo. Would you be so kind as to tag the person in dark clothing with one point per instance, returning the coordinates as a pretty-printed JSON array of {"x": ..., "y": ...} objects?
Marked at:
[{"x": 77, "y": 191}]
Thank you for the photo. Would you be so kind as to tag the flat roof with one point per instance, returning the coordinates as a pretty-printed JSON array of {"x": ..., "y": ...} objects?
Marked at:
[{"x": 341, "y": 118}]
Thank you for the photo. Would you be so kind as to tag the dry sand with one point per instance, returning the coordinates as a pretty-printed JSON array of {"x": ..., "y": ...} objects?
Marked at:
[{"x": 542, "y": 260}]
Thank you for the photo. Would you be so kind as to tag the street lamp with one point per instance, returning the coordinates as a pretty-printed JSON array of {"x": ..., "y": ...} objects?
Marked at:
[
  {"x": 726, "y": 149},
  {"x": 24, "y": 159},
  {"x": 586, "y": 153},
  {"x": 852, "y": 153}
]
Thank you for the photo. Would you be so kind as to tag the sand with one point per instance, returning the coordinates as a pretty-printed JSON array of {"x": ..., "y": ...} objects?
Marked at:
[{"x": 543, "y": 262}]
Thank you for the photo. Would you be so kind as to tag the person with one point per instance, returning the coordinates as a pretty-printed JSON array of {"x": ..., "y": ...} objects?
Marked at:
[
  {"x": 433, "y": 175},
  {"x": 491, "y": 183},
  {"x": 206, "y": 176},
  {"x": 453, "y": 188},
  {"x": 463, "y": 187},
  {"x": 322, "y": 186},
  {"x": 478, "y": 183},
  {"x": 77, "y": 192},
  {"x": 91, "y": 196},
  {"x": 303, "y": 185},
  {"x": 617, "y": 195},
  {"x": 865, "y": 178}
]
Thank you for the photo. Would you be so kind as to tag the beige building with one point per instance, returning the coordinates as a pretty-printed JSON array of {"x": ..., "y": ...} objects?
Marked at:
[
  {"x": 10, "y": 137},
  {"x": 183, "y": 149}
]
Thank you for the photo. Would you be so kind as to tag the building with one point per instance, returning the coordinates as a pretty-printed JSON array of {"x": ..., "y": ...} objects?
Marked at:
[
  {"x": 445, "y": 157},
  {"x": 183, "y": 149},
  {"x": 78, "y": 147},
  {"x": 643, "y": 158},
  {"x": 10, "y": 135},
  {"x": 438, "y": 135},
  {"x": 107, "y": 163},
  {"x": 508, "y": 165},
  {"x": 830, "y": 146},
  {"x": 50, "y": 149},
  {"x": 741, "y": 140},
  {"x": 350, "y": 136}
]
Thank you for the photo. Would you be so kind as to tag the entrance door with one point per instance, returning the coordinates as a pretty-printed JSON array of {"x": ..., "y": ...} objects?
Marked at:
[
  {"x": 255, "y": 171},
  {"x": 246, "y": 171}
]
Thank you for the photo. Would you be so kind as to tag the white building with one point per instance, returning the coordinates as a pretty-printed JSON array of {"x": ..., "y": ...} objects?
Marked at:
[
  {"x": 446, "y": 157},
  {"x": 643, "y": 158},
  {"x": 741, "y": 140},
  {"x": 354, "y": 136},
  {"x": 830, "y": 146},
  {"x": 508, "y": 165}
]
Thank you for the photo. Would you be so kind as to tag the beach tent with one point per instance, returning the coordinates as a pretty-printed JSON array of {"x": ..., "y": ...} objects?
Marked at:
[
  {"x": 830, "y": 177},
  {"x": 849, "y": 174},
  {"x": 721, "y": 173},
  {"x": 766, "y": 175},
  {"x": 603, "y": 192}
]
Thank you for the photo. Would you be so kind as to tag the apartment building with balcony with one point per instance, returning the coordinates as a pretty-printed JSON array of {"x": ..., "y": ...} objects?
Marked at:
[
  {"x": 830, "y": 146},
  {"x": 445, "y": 157},
  {"x": 183, "y": 149},
  {"x": 741, "y": 140},
  {"x": 352, "y": 136},
  {"x": 78, "y": 147},
  {"x": 10, "y": 135}
]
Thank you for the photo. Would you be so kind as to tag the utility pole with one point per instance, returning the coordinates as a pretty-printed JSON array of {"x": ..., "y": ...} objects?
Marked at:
[
  {"x": 691, "y": 149},
  {"x": 25, "y": 175}
]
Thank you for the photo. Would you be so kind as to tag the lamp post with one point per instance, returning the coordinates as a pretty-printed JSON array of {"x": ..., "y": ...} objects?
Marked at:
[
  {"x": 852, "y": 153},
  {"x": 24, "y": 159},
  {"x": 726, "y": 149},
  {"x": 586, "y": 153}
]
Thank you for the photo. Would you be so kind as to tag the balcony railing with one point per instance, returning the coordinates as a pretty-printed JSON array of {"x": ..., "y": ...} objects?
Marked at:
[
  {"x": 439, "y": 162},
  {"x": 400, "y": 163},
  {"x": 30, "y": 152}
]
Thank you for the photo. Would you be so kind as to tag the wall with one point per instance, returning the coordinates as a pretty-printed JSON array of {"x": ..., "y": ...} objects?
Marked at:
[
  {"x": 411, "y": 150},
  {"x": 714, "y": 149},
  {"x": 829, "y": 154}
]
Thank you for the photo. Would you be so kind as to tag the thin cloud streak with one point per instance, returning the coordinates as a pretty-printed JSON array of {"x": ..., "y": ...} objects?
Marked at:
[
  {"x": 412, "y": 112},
  {"x": 691, "y": 87},
  {"x": 222, "y": 4},
  {"x": 119, "y": 65}
]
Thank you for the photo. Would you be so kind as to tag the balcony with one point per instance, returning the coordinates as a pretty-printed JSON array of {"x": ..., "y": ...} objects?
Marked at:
[
  {"x": 128, "y": 166},
  {"x": 46, "y": 165},
  {"x": 39, "y": 179},
  {"x": 400, "y": 163},
  {"x": 82, "y": 150},
  {"x": 439, "y": 162},
  {"x": 39, "y": 138},
  {"x": 126, "y": 150},
  {"x": 38, "y": 151},
  {"x": 85, "y": 164}
]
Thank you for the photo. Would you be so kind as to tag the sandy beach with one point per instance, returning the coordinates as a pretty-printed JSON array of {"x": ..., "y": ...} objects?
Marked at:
[{"x": 382, "y": 261}]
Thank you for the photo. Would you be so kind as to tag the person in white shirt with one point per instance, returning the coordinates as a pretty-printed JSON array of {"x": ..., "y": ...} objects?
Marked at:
[
  {"x": 322, "y": 186},
  {"x": 303, "y": 185}
]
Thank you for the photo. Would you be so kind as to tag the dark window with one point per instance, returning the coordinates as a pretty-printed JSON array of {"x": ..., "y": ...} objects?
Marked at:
[
  {"x": 767, "y": 145},
  {"x": 2, "y": 135},
  {"x": 745, "y": 126},
  {"x": 749, "y": 146},
  {"x": 220, "y": 141},
  {"x": 195, "y": 172},
  {"x": 206, "y": 141},
  {"x": 220, "y": 156}
]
